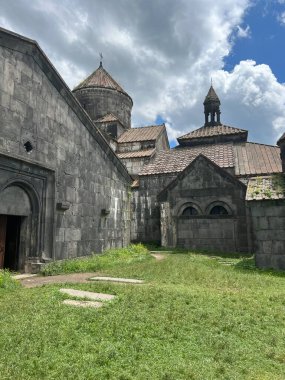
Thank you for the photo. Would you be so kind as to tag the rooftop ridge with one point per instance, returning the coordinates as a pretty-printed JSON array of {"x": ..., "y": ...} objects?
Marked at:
[
  {"x": 257, "y": 143},
  {"x": 150, "y": 126},
  {"x": 210, "y": 130}
]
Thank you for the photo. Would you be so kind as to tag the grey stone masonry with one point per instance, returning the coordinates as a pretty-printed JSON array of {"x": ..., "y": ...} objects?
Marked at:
[
  {"x": 49, "y": 142},
  {"x": 146, "y": 209},
  {"x": 201, "y": 187},
  {"x": 268, "y": 223}
]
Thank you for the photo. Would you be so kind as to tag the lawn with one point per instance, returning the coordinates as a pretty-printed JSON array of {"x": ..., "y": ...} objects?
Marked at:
[{"x": 197, "y": 317}]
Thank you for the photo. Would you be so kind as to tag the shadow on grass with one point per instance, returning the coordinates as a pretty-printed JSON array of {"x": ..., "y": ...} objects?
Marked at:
[{"x": 248, "y": 264}]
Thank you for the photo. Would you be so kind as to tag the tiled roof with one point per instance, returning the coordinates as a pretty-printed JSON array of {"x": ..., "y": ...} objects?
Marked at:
[
  {"x": 100, "y": 78},
  {"x": 256, "y": 159},
  {"x": 215, "y": 130},
  {"x": 249, "y": 159},
  {"x": 141, "y": 134},
  {"x": 176, "y": 160},
  {"x": 137, "y": 154},
  {"x": 107, "y": 118},
  {"x": 271, "y": 187}
]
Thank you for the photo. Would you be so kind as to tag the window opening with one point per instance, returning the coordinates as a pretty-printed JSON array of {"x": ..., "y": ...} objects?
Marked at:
[
  {"x": 28, "y": 146},
  {"x": 218, "y": 210},
  {"x": 189, "y": 211}
]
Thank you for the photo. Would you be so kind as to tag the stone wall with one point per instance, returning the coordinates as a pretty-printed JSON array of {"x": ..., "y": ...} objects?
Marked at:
[
  {"x": 203, "y": 186},
  {"x": 88, "y": 185},
  {"x": 268, "y": 222},
  {"x": 135, "y": 165},
  {"x": 146, "y": 209}
]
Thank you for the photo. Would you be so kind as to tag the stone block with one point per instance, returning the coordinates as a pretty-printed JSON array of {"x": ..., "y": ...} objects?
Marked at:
[{"x": 72, "y": 234}]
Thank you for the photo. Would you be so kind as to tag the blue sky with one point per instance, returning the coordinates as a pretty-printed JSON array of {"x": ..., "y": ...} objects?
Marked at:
[
  {"x": 266, "y": 40},
  {"x": 164, "y": 53}
]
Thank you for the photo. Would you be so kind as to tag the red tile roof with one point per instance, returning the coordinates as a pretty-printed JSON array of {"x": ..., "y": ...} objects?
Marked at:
[
  {"x": 248, "y": 159},
  {"x": 149, "y": 133},
  {"x": 107, "y": 118},
  {"x": 100, "y": 78},
  {"x": 256, "y": 159},
  {"x": 207, "y": 131},
  {"x": 176, "y": 160},
  {"x": 137, "y": 154}
]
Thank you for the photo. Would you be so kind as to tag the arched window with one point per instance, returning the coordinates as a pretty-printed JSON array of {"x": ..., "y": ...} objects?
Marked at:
[
  {"x": 218, "y": 210},
  {"x": 189, "y": 211}
]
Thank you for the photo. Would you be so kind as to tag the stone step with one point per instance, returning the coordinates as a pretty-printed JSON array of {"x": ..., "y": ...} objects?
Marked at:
[
  {"x": 23, "y": 276},
  {"x": 86, "y": 294},
  {"x": 83, "y": 303},
  {"x": 117, "y": 279}
]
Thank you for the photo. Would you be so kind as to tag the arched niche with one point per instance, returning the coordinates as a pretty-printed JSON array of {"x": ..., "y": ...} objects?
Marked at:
[
  {"x": 20, "y": 215},
  {"x": 219, "y": 209},
  {"x": 15, "y": 201},
  {"x": 189, "y": 209}
]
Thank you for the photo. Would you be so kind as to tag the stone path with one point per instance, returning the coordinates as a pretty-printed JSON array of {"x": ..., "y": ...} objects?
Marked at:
[
  {"x": 23, "y": 276},
  {"x": 83, "y": 303},
  {"x": 117, "y": 279},
  {"x": 159, "y": 255},
  {"x": 32, "y": 282},
  {"x": 90, "y": 295}
]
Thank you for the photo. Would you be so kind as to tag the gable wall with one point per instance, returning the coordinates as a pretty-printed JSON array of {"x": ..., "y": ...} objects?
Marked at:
[
  {"x": 85, "y": 176},
  {"x": 202, "y": 187}
]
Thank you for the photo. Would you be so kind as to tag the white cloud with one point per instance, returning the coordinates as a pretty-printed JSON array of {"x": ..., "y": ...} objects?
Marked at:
[
  {"x": 243, "y": 32},
  {"x": 281, "y": 18},
  {"x": 162, "y": 52}
]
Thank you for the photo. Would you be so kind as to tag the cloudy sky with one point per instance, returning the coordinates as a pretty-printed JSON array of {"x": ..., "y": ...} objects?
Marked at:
[{"x": 165, "y": 52}]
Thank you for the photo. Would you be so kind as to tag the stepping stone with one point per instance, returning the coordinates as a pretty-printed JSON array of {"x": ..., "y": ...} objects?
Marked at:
[
  {"x": 90, "y": 295},
  {"x": 83, "y": 303},
  {"x": 23, "y": 276},
  {"x": 161, "y": 251},
  {"x": 117, "y": 279}
]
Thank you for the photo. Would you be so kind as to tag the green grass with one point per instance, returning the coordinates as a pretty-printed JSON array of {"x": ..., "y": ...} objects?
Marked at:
[
  {"x": 95, "y": 262},
  {"x": 197, "y": 317},
  {"x": 6, "y": 281}
]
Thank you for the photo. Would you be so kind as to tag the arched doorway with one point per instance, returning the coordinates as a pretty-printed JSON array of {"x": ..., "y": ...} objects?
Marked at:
[{"x": 19, "y": 216}]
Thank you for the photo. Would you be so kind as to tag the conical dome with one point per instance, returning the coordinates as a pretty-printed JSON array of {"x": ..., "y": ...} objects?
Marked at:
[
  {"x": 211, "y": 96},
  {"x": 100, "y": 95},
  {"x": 100, "y": 78}
]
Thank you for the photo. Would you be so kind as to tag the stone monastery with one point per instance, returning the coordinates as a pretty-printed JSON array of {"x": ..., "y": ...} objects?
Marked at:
[{"x": 75, "y": 178}]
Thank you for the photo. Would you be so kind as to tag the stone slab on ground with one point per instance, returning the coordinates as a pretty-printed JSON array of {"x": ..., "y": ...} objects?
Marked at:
[
  {"x": 83, "y": 303},
  {"x": 117, "y": 279},
  {"x": 158, "y": 256},
  {"x": 86, "y": 294},
  {"x": 23, "y": 276},
  {"x": 160, "y": 251},
  {"x": 58, "y": 279}
]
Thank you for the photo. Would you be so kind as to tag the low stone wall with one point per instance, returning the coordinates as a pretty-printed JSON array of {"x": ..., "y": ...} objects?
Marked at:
[{"x": 268, "y": 223}]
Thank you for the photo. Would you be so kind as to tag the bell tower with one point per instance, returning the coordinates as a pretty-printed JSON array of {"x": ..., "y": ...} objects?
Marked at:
[{"x": 212, "y": 108}]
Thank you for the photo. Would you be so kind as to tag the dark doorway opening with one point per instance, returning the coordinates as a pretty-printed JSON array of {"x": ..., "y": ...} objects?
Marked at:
[{"x": 10, "y": 227}]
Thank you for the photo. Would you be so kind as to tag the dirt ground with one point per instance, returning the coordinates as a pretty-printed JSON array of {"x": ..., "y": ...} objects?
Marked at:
[{"x": 32, "y": 282}]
